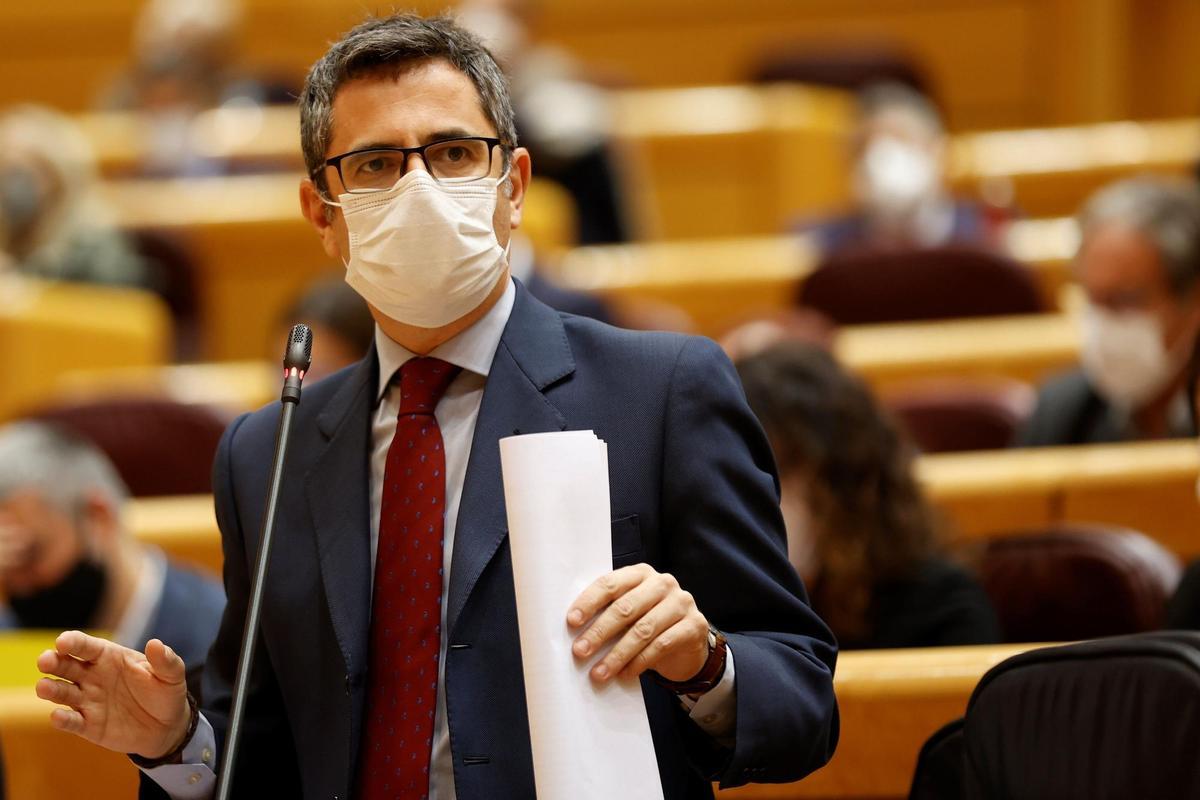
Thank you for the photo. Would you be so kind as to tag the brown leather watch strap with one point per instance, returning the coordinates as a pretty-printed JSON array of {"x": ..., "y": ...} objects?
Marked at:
[
  {"x": 709, "y": 675},
  {"x": 173, "y": 757}
]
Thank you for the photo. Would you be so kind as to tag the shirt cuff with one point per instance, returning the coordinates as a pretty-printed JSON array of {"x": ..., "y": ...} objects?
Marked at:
[
  {"x": 195, "y": 777},
  {"x": 715, "y": 711}
]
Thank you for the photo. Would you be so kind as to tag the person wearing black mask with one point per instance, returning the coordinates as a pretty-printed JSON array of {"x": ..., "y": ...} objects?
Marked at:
[{"x": 67, "y": 562}]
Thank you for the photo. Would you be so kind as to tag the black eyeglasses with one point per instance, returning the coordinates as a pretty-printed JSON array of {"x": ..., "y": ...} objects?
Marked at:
[{"x": 451, "y": 161}]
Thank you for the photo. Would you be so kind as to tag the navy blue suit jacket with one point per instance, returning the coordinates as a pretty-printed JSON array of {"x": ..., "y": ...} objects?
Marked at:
[{"x": 694, "y": 493}]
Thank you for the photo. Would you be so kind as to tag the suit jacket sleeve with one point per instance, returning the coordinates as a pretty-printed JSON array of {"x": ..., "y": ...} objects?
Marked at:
[
  {"x": 266, "y": 764},
  {"x": 725, "y": 543}
]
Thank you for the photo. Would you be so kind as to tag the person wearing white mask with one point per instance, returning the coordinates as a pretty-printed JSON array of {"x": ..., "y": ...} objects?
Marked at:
[
  {"x": 366, "y": 683},
  {"x": 899, "y": 182},
  {"x": 1139, "y": 265}
]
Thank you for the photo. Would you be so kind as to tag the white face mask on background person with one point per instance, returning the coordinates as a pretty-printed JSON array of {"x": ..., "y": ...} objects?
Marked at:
[
  {"x": 1124, "y": 355},
  {"x": 894, "y": 176},
  {"x": 424, "y": 252}
]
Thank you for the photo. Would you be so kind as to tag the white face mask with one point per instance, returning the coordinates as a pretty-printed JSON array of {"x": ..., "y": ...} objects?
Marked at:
[
  {"x": 1124, "y": 356},
  {"x": 894, "y": 177},
  {"x": 424, "y": 253}
]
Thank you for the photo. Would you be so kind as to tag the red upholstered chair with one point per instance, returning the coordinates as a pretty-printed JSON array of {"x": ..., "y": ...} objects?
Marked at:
[
  {"x": 866, "y": 286},
  {"x": 951, "y": 416},
  {"x": 158, "y": 446},
  {"x": 1077, "y": 582}
]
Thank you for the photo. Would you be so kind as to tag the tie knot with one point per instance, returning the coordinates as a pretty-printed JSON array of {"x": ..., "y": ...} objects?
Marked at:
[{"x": 423, "y": 381}]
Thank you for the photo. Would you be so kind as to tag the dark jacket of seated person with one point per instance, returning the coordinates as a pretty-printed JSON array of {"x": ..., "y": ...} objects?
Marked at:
[
  {"x": 1139, "y": 268},
  {"x": 859, "y": 528}
]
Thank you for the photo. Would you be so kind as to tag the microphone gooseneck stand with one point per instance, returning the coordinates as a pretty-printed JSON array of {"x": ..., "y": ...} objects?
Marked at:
[{"x": 296, "y": 361}]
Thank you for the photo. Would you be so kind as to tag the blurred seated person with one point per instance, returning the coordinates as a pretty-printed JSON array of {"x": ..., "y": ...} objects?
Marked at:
[
  {"x": 860, "y": 531},
  {"x": 51, "y": 225},
  {"x": 1138, "y": 265},
  {"x": 342, "y": 325},
  {"x": 184, "y": 63},
  {"x": 899, "y": 182},
  {"x": 562, "y": 115},
  {"x": 67, "y": 560}
]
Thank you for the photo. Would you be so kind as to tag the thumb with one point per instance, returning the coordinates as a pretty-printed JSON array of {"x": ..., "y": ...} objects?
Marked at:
[{"x": 165, "y": 663}]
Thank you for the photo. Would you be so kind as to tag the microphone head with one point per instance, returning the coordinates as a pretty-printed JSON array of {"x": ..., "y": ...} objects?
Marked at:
[{"x": 299, "y": 349}]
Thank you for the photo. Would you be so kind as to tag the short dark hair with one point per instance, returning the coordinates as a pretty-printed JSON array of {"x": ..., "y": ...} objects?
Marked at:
[
  {"x": 389, "y": 43},
  {"x": 333, "y": 304}
]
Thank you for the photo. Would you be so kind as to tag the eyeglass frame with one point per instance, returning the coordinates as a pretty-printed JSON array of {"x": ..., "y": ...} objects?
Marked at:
[{"x": 336, "y": 161}]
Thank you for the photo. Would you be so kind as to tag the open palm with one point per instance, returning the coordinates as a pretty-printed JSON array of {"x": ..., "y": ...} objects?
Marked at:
[{"x": 115, "y": 697}]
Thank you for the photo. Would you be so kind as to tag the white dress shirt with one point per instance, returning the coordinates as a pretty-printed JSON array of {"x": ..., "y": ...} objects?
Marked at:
[{"x": 456, "y": 413}]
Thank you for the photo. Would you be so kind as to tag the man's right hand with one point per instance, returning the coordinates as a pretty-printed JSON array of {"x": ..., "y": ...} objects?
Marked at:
[{"x": 115, "y": 697}]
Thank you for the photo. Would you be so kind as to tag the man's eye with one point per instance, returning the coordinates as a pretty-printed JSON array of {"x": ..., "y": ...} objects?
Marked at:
[
  {"x": 456, "y": 153},
  {"x": 374, "y": 165}
]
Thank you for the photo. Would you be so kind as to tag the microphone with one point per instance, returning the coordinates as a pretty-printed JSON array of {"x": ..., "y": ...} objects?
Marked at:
[{"x": 296, "y": 360}]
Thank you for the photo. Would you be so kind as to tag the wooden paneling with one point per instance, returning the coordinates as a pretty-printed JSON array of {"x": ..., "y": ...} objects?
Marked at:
[
  {"x": 994, "y": 63},
  {"x": 889, "y": 701},
  {"x": 47, "y": 330}
]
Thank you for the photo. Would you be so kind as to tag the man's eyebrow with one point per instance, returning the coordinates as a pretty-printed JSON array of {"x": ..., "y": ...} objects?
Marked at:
[{"x": 436, "y": 136}]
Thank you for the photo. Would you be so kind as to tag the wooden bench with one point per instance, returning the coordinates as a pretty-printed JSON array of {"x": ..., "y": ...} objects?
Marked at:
[
  {"x": 48, "y": 329},
  {"x": 889, "y": 701},
  {"x": 1149, "y": 486},
  {"x": 993, "y": 64}
]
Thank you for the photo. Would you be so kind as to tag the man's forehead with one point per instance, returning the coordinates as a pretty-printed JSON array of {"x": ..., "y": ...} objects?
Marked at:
[{"x": 404, "y": 104}]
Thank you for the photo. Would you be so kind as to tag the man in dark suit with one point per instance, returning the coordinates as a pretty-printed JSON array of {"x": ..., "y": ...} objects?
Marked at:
[
  {"x": 68, "y": 560},
  {"x": 367, "y": 682},
  {"x": 1139, "y": 266}
]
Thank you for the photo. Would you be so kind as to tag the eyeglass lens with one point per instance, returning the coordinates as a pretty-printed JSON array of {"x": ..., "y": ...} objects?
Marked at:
[{"x": 451, "y": 160}]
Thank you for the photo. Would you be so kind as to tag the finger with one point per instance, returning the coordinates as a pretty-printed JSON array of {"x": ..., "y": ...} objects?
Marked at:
[
  {"x": 639, "y": 636},
  {"x": 61, "y": 666},
  {"x": 165, "y": 663},
  {"x": 80, "y": 645},
  {"x": 624, "y": 612},
  {"x": 660, "y": 648},
  {"x": 61, "y": 692},
  {"x": 604, "y": 590},
  {"x": 67, "y": 719}
]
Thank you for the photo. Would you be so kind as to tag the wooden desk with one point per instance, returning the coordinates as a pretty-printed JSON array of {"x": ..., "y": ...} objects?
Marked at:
[
  {"x": 48, "y": 329},
  {"x": 890, "y": 702},
  {"x": 1147, "y": 486},
  {"x": 1052, "y": 171},
  {"x": 1022, "y": 347},
  {"x": 184, "y": 527}
]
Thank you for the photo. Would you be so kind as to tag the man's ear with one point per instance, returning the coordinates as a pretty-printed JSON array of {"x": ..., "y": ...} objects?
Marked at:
[
  {"x": 518, "y": 177},
  {"x": 102, "y": 520},
  {"x": 321, "y": 216}
]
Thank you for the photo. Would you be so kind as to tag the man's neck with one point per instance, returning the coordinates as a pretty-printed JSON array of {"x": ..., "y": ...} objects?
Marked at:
[{"x": 422, "y": 341}]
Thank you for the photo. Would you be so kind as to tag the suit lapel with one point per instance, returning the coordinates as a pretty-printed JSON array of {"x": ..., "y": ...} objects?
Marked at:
[
  {"x": 338, "y": 492},
  {"x": 533, "y": 354}
]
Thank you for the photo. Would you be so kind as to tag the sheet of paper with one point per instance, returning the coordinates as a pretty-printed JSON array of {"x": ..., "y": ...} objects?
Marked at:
[{"x": 588, "y": 741}]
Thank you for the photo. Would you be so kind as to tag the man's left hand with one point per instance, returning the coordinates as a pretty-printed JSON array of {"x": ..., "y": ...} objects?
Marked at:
[{"x": 654, "y": 622}]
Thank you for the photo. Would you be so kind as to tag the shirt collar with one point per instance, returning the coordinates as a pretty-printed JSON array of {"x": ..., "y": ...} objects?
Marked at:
[{"x": 472, "y": 350}]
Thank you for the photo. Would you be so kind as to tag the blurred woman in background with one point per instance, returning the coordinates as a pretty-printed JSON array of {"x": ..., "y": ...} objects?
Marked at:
[{"x": 860, "y": 531}]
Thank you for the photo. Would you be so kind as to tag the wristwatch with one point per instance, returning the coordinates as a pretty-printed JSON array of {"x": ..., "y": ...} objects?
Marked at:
[{"x": 709, "y": 675}]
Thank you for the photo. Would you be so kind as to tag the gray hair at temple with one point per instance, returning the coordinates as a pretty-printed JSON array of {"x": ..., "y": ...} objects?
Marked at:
[
  {"x": 61, "y": 467},
  {"x": 386, "y": 44},
  {"x": 1165, "y": 211}
]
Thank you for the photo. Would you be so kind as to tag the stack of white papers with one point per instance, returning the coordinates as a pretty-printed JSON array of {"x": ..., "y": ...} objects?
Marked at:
[{"x": 588, "y": 741}]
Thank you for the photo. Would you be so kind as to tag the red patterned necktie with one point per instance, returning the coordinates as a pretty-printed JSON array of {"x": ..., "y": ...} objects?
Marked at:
[{"x": 407, "y": 603}]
